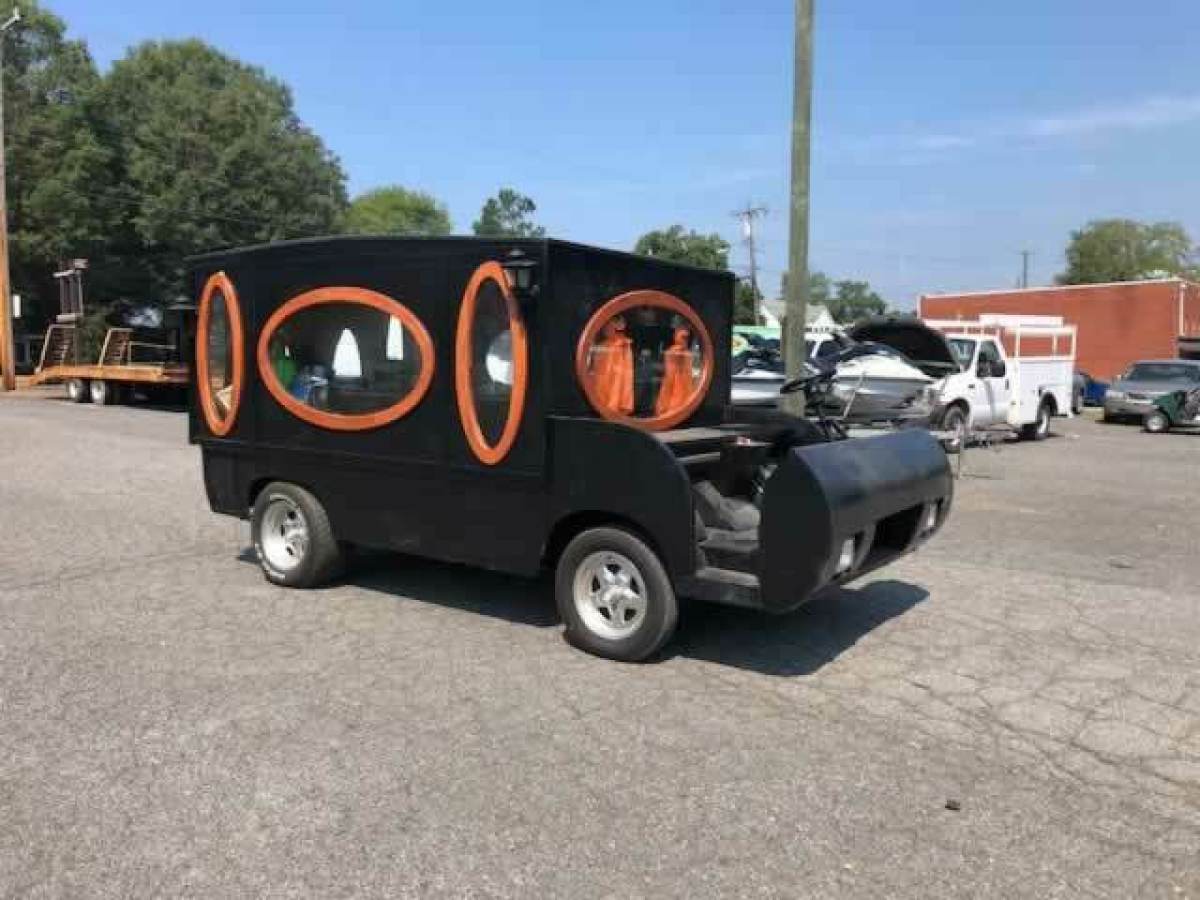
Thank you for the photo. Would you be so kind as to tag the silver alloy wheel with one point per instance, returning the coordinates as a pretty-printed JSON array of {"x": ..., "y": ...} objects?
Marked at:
[
  {"x": 956, "y": 421},
  {"x": 284, "y": 534},
  {"x": 74, "y": 388},
  {"x": 99, "y": 391},
  {"x": 1043, "y": 424},
  {"x": 610, "y": 595}
]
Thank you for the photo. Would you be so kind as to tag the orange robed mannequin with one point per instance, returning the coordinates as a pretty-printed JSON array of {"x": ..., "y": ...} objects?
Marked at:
[
  {"x": 612, "y": 370},
  {"x": 678, "y": 375}
]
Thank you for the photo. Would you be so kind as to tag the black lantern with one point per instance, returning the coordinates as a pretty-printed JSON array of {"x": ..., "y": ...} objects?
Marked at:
[{"x": 521, "y": 273}]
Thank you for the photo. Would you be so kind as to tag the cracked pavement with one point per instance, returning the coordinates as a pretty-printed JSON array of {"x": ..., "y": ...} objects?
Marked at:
[{"x": 170, "y": 724}]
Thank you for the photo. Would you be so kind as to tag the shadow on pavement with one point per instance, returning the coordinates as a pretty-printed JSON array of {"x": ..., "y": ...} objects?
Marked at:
[
  {"x": 799, "y": 642},
  {"x": 523, "y": 601},
  {"x": 139, "y": 401}
]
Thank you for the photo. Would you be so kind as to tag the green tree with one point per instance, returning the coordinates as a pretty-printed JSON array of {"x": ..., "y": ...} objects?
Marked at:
[
  {"x": 508, "y": 214},
  {"x": 1124, "y": 250},
  {"x": 820, "y": 288},
  {"x": 746, "y": 300},
  {"x": 854, "y": 300},
  {"x": 59, "y": 173},
  {"x": 397, "y": 210},
  {"x": 674, "y": 244},
  {"x": 847, "y": 301},
  {"x": 210, "y": 154}
]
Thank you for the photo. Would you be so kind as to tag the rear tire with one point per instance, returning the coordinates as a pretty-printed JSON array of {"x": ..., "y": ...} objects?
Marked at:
[
  {"x": 1077, "y": 403},
  {"x": 103, "y": 393},
  {"x": 1039, "y": 430},
  {"x": 77, "y": 390},
  {"x": 1156, "y": 422},
  {"x": 614, "y": 595},
  {"x": 293, "y": 538}
]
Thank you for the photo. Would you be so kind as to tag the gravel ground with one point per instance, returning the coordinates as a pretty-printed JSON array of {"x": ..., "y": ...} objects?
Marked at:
[{"x": 1015, "y": 711}]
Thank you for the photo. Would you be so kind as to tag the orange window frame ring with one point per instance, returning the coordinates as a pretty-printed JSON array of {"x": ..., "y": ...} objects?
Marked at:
[
  {"x": 219, "y": 283},
  {"x": 324, "y": 296},
  {"x": 487, "y": 453},
  {"x": 618, "y": 306}
]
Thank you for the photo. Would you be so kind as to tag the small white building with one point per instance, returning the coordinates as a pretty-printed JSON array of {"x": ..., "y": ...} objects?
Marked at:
[{"x": 817, "y": 317}]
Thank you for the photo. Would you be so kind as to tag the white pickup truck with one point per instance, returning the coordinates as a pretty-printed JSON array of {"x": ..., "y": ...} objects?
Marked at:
[{"x": 1000, "y": 371}]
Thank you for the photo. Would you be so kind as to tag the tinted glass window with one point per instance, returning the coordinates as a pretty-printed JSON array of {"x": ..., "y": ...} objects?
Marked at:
[
  {"x": 220, "y": 357},
  {"x": 989, "y": 354},
  {"x": 963, "y": 351},
  {"x": 345, "y": 358},
  {"x": 491, "y": 361},
  {"x": 645, "y": 362},
  {"x": 1163, "y": 372}
]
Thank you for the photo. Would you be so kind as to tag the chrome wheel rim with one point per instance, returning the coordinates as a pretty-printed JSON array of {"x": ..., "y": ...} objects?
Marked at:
[
  {"x": 1043, "y": 425},
  {"x": 73, "y": 389},
  {"x": 284, "y": 534},
  {"x": 97, "y": 389},
  {"x": 957, "y": 423},
  {"x": 610, "y": 595}
]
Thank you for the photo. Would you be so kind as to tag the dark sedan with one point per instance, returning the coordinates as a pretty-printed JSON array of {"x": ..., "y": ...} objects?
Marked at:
[{"x": 1134, "y": 393}]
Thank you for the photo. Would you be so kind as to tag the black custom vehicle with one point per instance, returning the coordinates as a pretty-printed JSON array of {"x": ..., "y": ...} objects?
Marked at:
[{"x": 527, "y": 406}]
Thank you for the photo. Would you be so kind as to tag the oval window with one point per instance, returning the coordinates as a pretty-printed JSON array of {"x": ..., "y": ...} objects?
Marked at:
[
  {"x": 491, "y": 364},
  {"x": 219, "y": 354},
  {"x": 345, "y": 358},
  {"x": 645, "y": 359}
]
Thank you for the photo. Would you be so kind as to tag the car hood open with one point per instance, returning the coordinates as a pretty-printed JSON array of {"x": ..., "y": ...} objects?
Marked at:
[{"x": 928, "y": 349}]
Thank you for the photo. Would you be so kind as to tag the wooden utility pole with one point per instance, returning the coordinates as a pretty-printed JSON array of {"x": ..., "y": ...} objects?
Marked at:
[
  {"x": 8, "y": 353},
  {"x": 796, "y": 302}
]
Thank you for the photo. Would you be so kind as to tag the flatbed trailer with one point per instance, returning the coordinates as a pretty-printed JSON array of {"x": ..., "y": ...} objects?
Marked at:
[{"x": 109, "y": 380}]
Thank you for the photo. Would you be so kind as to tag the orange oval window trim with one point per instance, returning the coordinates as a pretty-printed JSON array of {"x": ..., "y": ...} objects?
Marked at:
[
  {"x": 617, "y": 306},
  {"x": 362, "y": 297},
  {"x": 489, "y": 454},
  {"x": 219, "y": 424}
]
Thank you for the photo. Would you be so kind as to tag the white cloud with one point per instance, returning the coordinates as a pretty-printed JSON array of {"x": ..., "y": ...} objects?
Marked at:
[
  {"x": 922, "y": 148},
  {"x": 1151, "y": 112},
  {"x": 943, "y": 142}
]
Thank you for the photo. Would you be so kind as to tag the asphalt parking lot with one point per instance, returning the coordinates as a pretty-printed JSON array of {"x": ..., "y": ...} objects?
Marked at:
[{"x": 1013, "y": 712}]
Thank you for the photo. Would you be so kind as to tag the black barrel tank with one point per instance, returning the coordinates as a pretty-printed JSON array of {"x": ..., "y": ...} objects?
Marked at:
[{"x": 884, "y": 494}]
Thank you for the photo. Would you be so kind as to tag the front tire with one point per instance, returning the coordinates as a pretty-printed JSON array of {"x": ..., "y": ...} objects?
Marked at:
[
  {"x": 1040, "y": 429},
  {"x": 1156, "y": 422},
  {"x": 614, "y": 595},
  {"x": 293, "y": 538},
  {"x": 955, "y": 419},
  {"x": 77, "y": 390}
]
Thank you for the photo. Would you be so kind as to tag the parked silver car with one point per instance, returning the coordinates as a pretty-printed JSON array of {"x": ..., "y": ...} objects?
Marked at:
[{"x": 1134, "y": 392}]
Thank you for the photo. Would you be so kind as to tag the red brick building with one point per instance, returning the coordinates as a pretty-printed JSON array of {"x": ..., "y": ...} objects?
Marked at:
[{"x": 1118, "y": 323}]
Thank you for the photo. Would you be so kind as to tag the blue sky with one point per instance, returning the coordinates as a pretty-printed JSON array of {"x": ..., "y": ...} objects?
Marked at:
[{"x": 948, "y": 134}]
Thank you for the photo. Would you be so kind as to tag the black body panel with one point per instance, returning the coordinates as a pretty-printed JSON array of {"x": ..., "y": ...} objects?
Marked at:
[
  {"x": 822, "y": 495},
  {"x": 414, "y": 485}
]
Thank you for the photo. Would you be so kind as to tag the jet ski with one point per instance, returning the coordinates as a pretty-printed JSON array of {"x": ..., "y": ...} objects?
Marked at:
[{"x": 874, "y": 382}]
